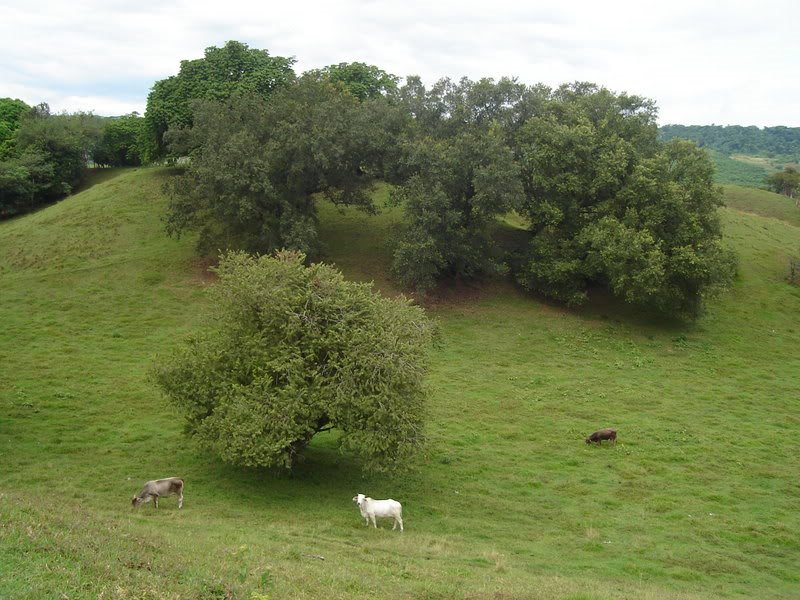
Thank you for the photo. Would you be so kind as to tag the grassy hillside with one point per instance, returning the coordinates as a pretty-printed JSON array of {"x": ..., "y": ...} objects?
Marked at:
[
  {"x": 697, "y": 500},
  {"x": 762, "y": 202}
]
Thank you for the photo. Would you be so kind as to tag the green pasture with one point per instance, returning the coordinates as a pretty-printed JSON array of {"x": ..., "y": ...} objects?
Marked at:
[
  {"x": 700, "y": 497},
  {"x": 762, "y": 202}
]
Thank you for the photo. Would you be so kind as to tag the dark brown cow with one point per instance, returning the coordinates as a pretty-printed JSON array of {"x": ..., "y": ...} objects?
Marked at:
[{"x": 603, "y": 434}]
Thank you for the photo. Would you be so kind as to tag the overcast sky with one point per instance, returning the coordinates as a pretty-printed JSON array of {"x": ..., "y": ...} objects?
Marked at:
[{"x": 730, "y": 63}]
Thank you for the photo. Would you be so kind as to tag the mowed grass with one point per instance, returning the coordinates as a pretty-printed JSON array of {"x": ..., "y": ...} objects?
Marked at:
[{"x": 698, "y": 499}]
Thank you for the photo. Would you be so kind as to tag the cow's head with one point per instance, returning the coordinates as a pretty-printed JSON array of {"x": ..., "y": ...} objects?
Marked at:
[
  {"x": 359, "y": 499},
  {"x": 136, "y": 501}
]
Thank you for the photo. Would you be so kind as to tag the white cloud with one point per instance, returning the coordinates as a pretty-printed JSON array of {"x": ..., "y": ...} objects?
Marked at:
[{"x": 725, "y": 64}]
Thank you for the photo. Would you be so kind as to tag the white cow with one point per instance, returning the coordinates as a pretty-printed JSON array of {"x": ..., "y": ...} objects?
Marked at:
[{"x": 370, "y": 509}]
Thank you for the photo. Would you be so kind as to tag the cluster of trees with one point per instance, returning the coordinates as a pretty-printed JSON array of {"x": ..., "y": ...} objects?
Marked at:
[
  {"x": 736, "y": 139},
  {"x": 293, "y": 350},
  {"x": 606, "y": 202},
  {"x": 786, "y": 182},
  {"x": 44, "y": 156}
]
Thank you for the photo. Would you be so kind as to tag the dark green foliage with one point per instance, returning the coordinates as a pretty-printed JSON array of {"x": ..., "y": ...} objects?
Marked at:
[
  {"x": 786, "y": 182},
  {"x": 736, "y": 139},
  {"x": 457, "y": 188},
  {"x": 448, "y": 108},
  {"x": 24, "y": 182},
  {"x": 119, "y": 145},
  {"x": 608, "y": 204},
  {"x": 290, "y": 351},
  {"x": 48, "y": 160},
  {"x": 250, "y": 181},
  {"x": 458, "y": 175},
  {"x": 360, "y": 79},
  {"x": 220, "y": 74}
]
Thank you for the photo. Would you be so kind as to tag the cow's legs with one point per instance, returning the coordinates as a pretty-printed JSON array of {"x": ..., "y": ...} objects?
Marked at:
[{"x": 155, "y": 502}]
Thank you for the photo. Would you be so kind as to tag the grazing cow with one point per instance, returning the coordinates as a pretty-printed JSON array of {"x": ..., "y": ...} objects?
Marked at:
[
  {"x": 379, "y": 508},
  {"x": 603, "y": 434},
  {"x": 153, "y": 490}
]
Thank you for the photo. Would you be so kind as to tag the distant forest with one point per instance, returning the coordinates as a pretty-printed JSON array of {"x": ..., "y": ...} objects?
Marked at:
[{"x": 735, "y": 139}]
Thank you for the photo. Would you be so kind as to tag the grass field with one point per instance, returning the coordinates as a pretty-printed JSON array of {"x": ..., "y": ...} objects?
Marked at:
[
  {"x": 741, "y": 169},
  {"x": 698, "y": 499},
  {"x": 762, "y": 202}
]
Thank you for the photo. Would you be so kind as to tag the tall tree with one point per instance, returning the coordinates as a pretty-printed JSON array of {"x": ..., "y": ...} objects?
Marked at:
[
  {"x": 456, "y": 189},
  {"x": 458, "y": 174},
  {"x": 119, "y": 145},
  {"x": 49, "y": 158},
  {"x": 220, "y": 74},
  {"x": 360, "y": 79},
  {"x": 257, "y": 165}
]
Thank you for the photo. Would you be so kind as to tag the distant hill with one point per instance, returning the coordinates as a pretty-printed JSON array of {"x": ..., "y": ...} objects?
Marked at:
[
  {"x": 736, "y": 139},
  {"x": 743, "y": 155}
]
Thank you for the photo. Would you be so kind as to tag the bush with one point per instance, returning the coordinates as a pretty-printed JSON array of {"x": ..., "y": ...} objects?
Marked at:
[{"x": 290, "y": 351}]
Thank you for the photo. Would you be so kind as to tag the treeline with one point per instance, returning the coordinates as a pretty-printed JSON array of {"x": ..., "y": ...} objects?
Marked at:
[
  {"x": 605, "y": 201},
  {"x": 44, "y": 156},
  {"x": 736, "y": 139}
]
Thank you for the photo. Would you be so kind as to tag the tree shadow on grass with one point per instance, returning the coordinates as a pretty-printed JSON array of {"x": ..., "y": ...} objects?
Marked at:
[
  {"x": 325, "y": 473},
  {"x": 97, "y": 175}
]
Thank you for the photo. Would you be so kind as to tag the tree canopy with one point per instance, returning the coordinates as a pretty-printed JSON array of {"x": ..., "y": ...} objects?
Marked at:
[
  {"x": 786, "y": 182},
  {"x": 47, "y": 158},
  {"x": 605, "y": 201},
  {"x": 456, "y": 188},
  {"x": 289, "y": 351},
  {"x": 121, "y": 142},
  {"x": 257, "y": 163},
  {"x": 360, "y": 79},
  {"x": 220, "y": 74},
  {"x": 608, "y": 204},
  {"x": 11, "y": 113}
]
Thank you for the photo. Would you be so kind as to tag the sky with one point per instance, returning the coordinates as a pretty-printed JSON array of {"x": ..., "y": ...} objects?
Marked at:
[{"x": 724, "y": 63}]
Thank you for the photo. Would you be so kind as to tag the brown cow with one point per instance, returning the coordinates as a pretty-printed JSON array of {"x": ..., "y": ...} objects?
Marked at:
[{"x": 603, "y": 434}]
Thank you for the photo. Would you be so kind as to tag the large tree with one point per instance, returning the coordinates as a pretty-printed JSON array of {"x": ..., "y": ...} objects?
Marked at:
[
  {"x": 610, "y": 205},
  {"x": 48, "y": 159},
  {"x": 457, "y": 175},
  {"x": 120, "y": 143},
  {"x": 220, "y": 74},
  {"x": 290, "y": 351},
  {"x": 256, "y": 165},
  {"x": 455, "y": 190}
]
